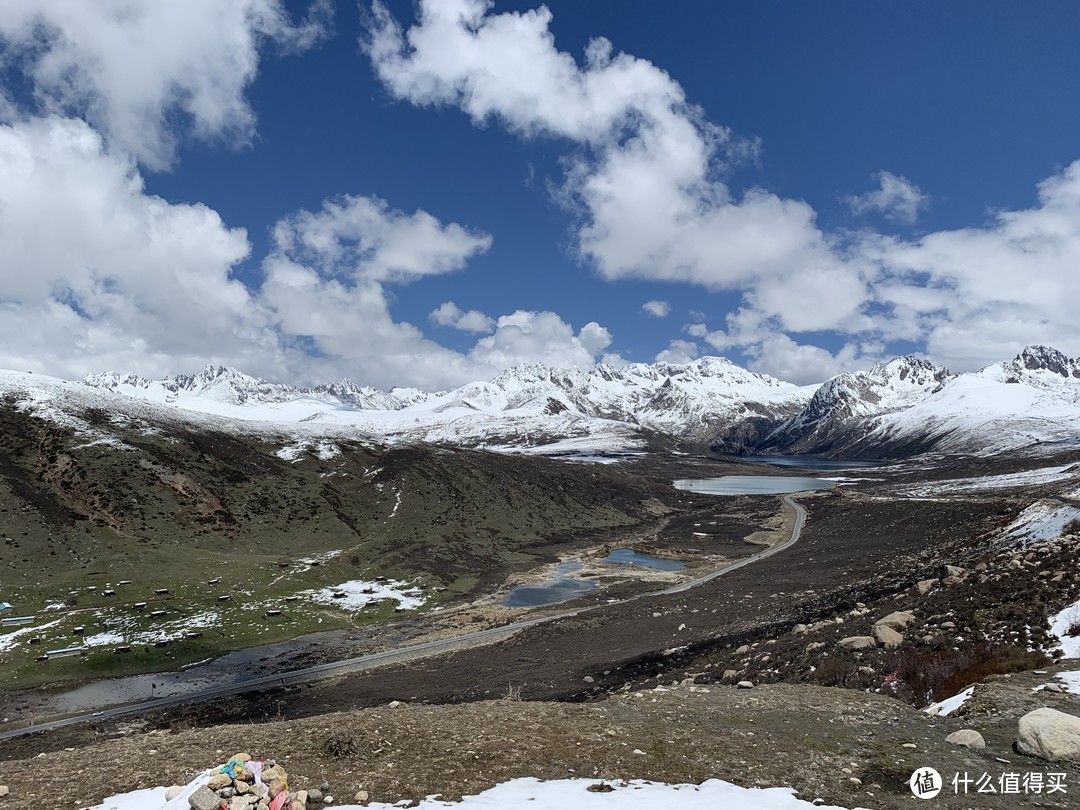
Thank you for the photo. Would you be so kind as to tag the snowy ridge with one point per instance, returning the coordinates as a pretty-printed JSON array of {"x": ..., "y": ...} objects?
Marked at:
[
  {"x": 526, "y": 405},
  {"x": 902, "y": 407},
  {"x": 908, "y": 405}
]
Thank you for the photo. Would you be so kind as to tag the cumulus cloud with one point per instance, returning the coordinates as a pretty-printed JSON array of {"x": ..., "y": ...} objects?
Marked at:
[
  {"x": 976, "y": 294},
  {"x": 97, "y": 274},
  {"x": 896, "y": 198},
  {"x": 363, "y": 238},
  {"x": 678, "y": 352},
  {"x": 94, "y": 270},
  {"x": 450, "y": 314},
  {"x": 644, "y": 175},
  {"x": 541, "y": 337},
  {"x": 657, "y": 309},
  {"x": 644, "y": 183},
  {"x": 134, "y": 69}
]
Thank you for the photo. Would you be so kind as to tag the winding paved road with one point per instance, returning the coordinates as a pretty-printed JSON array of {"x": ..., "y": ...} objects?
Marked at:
[{"x": 399, "y": 655}]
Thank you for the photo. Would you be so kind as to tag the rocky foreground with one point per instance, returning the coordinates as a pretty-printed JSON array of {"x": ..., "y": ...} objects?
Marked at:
[{"x": 844, "y": 746}]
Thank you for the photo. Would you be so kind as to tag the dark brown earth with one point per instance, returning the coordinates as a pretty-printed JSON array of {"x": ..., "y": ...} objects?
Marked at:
[{"x": 845, "y": 746}]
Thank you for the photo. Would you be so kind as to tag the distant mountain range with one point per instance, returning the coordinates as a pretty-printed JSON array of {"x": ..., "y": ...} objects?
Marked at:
[{"x": 898, "y": 408}]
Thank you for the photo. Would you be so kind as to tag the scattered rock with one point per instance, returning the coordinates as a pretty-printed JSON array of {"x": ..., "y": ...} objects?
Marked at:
[
  {"x": 204, "y": 799},
  {"x": 799, "y": 629},
  {"x": 967, "y": 737},
  {"x": 743, "y": 650},
  {"x": 170, "y": 794},
  {"x": 898, "y": 620},
  {"x": 1053, "y": 687},
  {"x": 887, "y": 637},
  {"x": 314, "y": 796},
  {"x": 219, "y": 781},
  {"x": 730, "y": 673},
  {"x": 815, "y": 645},
  {"x": 858, "y": 642},
  {"x": 361, "y": 796},
  {"x": 600, "y": 787},
  {"x": 924, "y": 586},
  {"x": 1049, "y": 734},
  {"x": 745, "y": 685}
]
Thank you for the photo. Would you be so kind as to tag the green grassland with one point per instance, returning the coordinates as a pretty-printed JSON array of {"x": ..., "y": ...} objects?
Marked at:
[{"x": 177, "y": 505}]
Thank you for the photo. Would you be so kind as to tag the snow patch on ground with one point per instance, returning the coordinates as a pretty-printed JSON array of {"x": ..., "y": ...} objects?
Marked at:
[
  {"x": 946, "y": 707},
  {"x": 1059, "y": 626},
  {"x": 103, "y": 639},
  {"x": 1071, "y": 681},
  {"x": 535, "y": 794},
  {"x": 952, "y": 486},
  {"x": 8, "y": 641},
  {"x": 356, "y": 596},
  {"x": 126, "y": 628},
  {"x": 323, "y": 450},
  {"x": 1042, "y": 521}
]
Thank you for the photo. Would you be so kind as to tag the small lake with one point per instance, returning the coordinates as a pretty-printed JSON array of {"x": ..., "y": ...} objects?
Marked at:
[
  {"x": 751, "y": 484},
  {"x": 628, "y": 556},
  {"x": 562, "y": 587},
  {"x": 813, "y": 463}
]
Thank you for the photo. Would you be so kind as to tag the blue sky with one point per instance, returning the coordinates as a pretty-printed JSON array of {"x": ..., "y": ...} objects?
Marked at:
[{"x": 805, "y": 188}]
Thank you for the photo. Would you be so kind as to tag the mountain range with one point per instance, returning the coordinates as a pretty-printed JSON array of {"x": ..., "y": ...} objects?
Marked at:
[{"x": 897, "y": 408}]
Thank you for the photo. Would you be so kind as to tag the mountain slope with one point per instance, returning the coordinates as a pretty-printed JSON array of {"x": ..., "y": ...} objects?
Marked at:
[{"x": 908, "y": 406}]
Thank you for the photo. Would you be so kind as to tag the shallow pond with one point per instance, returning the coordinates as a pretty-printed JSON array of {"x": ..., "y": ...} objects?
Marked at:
[
  {"x": 562, "y": 587},
  {"x": 751, "y": 484},
  {"x": 630, "y": 557},
  {"x": 814, "y": 463}
]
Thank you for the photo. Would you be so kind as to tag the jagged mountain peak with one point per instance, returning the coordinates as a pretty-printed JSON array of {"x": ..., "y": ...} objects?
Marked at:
[{"x": 1047, "y": 358}]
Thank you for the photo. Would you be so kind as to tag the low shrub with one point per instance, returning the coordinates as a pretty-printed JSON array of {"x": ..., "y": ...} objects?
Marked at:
[{"x": 925, "y": 676}]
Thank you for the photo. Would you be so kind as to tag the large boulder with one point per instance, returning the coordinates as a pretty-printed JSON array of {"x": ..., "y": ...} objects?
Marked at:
[
  {"x": 898, "y": 620},
  {"x": 858, "y": 642},
  {"x": 887, "y": 637},
  {"x": 1049, "y": 734},
  {"x": 968, "y": 737}
]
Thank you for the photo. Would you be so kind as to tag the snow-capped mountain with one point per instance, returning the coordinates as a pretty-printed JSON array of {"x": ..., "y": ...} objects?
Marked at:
[
  {"x": 854, "y": 398},
  {"x": 710, "y": 400},
  {"x": 904, "y": 406},
  {"x": 908, "y": 405}
]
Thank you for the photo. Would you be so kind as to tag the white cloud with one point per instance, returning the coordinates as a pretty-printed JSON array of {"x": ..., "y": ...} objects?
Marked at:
[
  {"x": 781, "y": 357},
  {"x": 976, "y": 295},
  {"x": 363, "y": 238},
  {"x": 541, "y": 337},
  {"x": 450, "y": 314},
  {"x": 896, "y": 198},
  {"x": 644, "y": 174},
  {"x": 97, "y": 274},
  {"x": 133, "y": 68},
  {"x": 93, "y": 270},
  {"x": 657, "y": 309},
  {"x": 645, "y": 181},
  {"x": 678, "y": 352}
]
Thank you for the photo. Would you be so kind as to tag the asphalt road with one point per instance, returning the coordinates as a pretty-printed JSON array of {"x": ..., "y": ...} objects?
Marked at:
[{"x": 395, "y": 656}]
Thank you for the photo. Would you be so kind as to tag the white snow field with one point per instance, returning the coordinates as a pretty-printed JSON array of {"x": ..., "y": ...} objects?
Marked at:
[{"x": 533, "y": 794}]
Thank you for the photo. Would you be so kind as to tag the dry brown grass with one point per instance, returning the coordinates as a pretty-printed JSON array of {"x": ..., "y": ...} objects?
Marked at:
[{"x": 924, "y": 676}]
